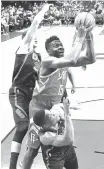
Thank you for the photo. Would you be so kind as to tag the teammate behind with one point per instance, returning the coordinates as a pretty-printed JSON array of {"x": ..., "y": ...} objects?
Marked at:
[
  {"x": 25, "y": 74},
  {"x": 57, "y": 136}
]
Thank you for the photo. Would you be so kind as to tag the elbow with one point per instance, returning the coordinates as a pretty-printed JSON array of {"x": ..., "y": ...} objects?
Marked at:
[
  {"x": 72, "y": 63},
  {"x": 70, "y": 140},
  {"x": 92, "y": 59}
]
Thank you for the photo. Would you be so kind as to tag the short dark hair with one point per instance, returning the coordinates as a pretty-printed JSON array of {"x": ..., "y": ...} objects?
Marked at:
[
  {"x": 39, "y": 117},
  {"x": 49, "y": 40}
]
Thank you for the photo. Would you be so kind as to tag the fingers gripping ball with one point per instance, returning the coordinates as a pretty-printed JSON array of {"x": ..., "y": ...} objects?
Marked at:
[{"x": 85, "y": 19}]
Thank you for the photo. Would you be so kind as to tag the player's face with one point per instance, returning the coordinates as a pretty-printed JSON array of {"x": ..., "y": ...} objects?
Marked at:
[{"x": 56, "y": 48}]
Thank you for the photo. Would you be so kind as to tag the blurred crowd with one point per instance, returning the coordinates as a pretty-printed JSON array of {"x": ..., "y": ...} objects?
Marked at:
[{"x": 18, "y": 15}]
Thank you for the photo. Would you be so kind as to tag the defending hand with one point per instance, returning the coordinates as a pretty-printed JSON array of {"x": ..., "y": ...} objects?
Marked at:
[
  {"x": 66, "y": 105},
  {"x": 46, "y": 7}
]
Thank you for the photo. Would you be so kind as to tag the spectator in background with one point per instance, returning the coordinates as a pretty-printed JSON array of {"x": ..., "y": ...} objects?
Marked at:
[
  {"x": 5, "y": 24},
  {"x": 59, "y": 12},
  {"x": 11, "y": 23},
  {"x": 17, "y": 21},
  {"x": 21, "y": 18}
]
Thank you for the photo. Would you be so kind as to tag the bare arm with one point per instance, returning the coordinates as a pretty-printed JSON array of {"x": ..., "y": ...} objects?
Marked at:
[
  {"x": 47, "y": 138},
  {"x": 90, "y": 52},
  {"x": 52, "y": 138},
  {"x": 68, "y": 136},
  {"x": 72, "y": 59},
  {"x": 33, "y": 28},
  {"x": 69, "y": 61},
  {"x": 71, "y": 78}
]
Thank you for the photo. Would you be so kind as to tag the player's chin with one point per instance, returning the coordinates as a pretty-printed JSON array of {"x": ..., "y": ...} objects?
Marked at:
[{"x": 61, "y": 54}]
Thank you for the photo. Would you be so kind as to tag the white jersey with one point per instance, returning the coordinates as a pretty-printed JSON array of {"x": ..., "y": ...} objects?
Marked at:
[{"x": 50, "y": 88}]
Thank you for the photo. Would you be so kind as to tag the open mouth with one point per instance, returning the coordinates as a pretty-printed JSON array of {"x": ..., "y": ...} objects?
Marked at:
[{"x": 61, "y": 51}]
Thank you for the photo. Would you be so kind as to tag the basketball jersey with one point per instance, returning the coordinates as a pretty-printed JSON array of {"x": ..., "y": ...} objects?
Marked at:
[
  {"x": 50, "y": 88},
  {"x": 25, "y": 70}
]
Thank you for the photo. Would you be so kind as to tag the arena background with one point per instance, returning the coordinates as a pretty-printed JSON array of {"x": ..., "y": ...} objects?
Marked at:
[{"x": 88, "y": 120}]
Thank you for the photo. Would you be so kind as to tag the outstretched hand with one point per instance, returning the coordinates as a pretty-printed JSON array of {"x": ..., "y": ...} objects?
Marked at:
[{"x": 46, "y": 7}]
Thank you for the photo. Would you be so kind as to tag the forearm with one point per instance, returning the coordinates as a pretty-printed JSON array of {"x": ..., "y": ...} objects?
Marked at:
[
  {"x": 90, "y": 52},
  {"x": 75, "y": 51},
  {"x": 69, "y": 60},
  {"x": 68, "y": 136},
  {"x": 69, "y": 130},
  {"x": 32, "y": 29},
  {"x": 90, "y": 56}
]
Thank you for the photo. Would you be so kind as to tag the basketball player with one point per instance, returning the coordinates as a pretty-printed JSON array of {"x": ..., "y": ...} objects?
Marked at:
[
  {"x": 52, "y": 80},
  {"x": 25, "y": 74},
  {"x": 57, "y": 143}
]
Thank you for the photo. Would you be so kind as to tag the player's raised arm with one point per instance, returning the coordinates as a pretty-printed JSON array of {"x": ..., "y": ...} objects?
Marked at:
[
  {"x": 55, "y": 49},
  {"x": 90, "y": 56},
  {"x": 73, "y": 59},
  {"x": 68, "y": 136},
  {"x": 76, "y": 49},
  {"x": 33, "y": 28}
]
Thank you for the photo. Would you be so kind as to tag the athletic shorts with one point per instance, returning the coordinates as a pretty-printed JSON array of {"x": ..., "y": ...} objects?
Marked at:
[
  {"x": 59, "y": 157},
  {"x": 19, "y": 101}
]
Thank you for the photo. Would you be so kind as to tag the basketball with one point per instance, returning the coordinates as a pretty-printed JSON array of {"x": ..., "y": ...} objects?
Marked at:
[{"x": 86, "y": 19}]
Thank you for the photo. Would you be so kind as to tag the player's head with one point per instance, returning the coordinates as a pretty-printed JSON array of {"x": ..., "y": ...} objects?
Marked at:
[
  {"x": 45, "y": 118},
  {"x": 54, "y": 47}
]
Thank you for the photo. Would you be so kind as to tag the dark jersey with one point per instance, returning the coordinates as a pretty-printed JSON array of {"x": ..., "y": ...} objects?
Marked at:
[{"x": 25, "y": 70}]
